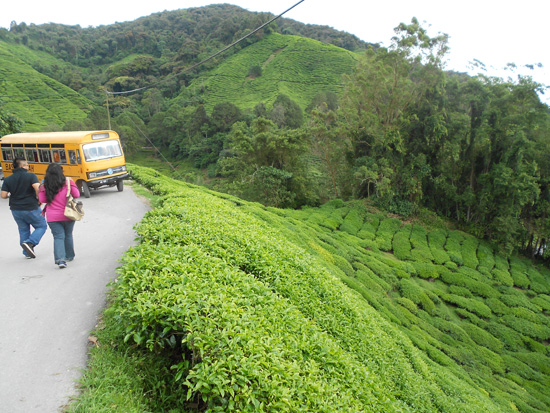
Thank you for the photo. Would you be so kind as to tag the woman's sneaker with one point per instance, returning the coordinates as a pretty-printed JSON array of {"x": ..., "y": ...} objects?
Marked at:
[{"x": 62, "y": 264}]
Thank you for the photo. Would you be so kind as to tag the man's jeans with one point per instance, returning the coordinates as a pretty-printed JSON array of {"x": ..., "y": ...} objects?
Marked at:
[
  {"x": 26, "y": 219},
  {"x": 63, "y": 248}
]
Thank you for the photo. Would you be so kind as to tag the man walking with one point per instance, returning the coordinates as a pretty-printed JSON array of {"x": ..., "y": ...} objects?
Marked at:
[{"x": 22, "y": 189}]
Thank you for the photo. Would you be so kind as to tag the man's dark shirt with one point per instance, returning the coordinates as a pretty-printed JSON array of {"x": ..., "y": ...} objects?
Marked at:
[{"x": 23, "y": 195}]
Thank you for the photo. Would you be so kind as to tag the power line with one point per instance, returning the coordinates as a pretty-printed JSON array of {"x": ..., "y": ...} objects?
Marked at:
[{"x": 210, "y": 57}]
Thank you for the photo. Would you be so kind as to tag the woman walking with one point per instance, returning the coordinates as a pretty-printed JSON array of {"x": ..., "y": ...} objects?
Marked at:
[{"x": 54, "y": 194}]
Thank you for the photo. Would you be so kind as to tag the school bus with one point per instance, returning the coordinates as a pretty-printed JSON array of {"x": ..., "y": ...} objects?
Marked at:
[{"x": 93, "y": 159}]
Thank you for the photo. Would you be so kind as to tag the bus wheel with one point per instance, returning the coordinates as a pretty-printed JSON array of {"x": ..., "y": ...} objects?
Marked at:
[
  {"x": 120, "y": 185},
  {"x": 85, "y": 189}
]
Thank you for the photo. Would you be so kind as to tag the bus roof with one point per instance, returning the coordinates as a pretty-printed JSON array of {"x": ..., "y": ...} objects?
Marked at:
[{"x": 56, "y": 137}]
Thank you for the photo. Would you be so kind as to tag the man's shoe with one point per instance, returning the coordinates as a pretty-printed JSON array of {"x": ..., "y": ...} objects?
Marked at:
[
  {"x": 62, "y": 264},
  {"x": 29, "y": 249}
]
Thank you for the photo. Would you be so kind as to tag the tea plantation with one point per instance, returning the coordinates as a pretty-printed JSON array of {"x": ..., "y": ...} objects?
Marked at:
[{"x": 327, "y": 309}]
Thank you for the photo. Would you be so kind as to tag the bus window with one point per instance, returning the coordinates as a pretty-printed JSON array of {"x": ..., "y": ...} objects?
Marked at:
[
  {"x": 7, "y": 154},
  {"x": 45, "y": 155},
  {"x": 72, "y": 157},
  {"x": 32, "y": 155},
  {"x": 59, "y": 156},
  {"x": 101, "y": 150},
  {"x": 19, "y": 152}
]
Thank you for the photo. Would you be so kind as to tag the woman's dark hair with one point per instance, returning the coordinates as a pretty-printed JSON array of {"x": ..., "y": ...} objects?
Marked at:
[{"x": 54, "y": 180}]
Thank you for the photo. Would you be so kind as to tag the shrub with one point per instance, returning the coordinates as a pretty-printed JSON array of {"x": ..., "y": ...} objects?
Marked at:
[
  {"x": 485, "y": 256},
  {"x": 513, "y": 364},
  {"x": 453, "y": 247},
  {"x": 419, "y": 241},
  {"x": 401, "y": 244},
  {"x": 370, "y": 226},
  {"x": 469, "y": 252},
  {"x": 412, "y": 291},
  {"x": 426, "y": 270},
  {"x": 352, "y": 222},
  {"x": 452, "y": 329},
  {"x": 470, "y": 304},
  {"x": 510, "y": 338},
  {"x": 538, "y": 283},
  {"x": 333, "y": 221},
  {"x": 537, "y": 361},
  {"x": 476, "y": 287},
  {"x": 497, "y": 306},
  {"x": 483, "y": 338},
  {"x": 464, "y": 292},
  {"x": 377, "y": 286},
  {"x": 436, "y": 242},
  {"x": 502, "y": 277},
  {"x": 408, "y": 304},
  {"x": 526, "y": 327},
  {"x": 384, "y": 235},
  {"x": 543, "y": 301},
  {"x": 518, "y": 271},
  {"x": 501, "y": 262},
  {"x": 518, "y": 300}
]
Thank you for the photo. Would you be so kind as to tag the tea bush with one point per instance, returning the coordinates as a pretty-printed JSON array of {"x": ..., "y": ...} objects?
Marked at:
[
  {"x": 252, "y": 249},
  {"x": 485, "y": 256},
  {"x": 502, "y": 277},
  {"x": 386, "y": 230},
  {"x": 370, "y": 226},
  {"x": 401, "y": 244},
  {"x": 470, "y": 304},
  {"x": 419, "y": 241},
  {"x": 538, "y": 283},
  {"x": 454, "y": 248},
  {"x": 483, "y": 338},
  {"x": 436, "y": 242},
  {"x": 476, "y": 287},
  {"x": 353, "y": 221},
  {"x": 469, "y": 252},
  {"x": 263, "y": 309}
]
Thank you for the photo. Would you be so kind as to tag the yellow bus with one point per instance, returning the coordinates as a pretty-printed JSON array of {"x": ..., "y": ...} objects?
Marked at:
[{"x": 94, "y": 159}]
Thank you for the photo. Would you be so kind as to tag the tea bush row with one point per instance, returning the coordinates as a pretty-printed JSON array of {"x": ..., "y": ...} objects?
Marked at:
[{"x": 258, "y": 252}]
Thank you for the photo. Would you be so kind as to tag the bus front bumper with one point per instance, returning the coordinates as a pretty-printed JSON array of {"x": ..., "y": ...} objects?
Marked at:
[{"x": 110, "y": 181}]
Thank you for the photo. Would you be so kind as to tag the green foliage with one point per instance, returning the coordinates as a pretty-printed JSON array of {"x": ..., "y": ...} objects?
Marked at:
[
  {"x": 468, "y": 252},
  {"x": 454, "y": 248},
  {"x": 411, "y": 291},
  {"x": 476, "y": 287},
  {"x": 227, "y": 280},
  {"x": 353, "y": 221},
  {"x": 370, "y": 226},
  {"x": 57, "y": 103},
  {"x": 470, "y": 304},
  {"x": 419, "y": 241},
  {"x": 386, "y": 230},
  {"x": 284, "y": 61},
  {"x": 401, "y": 244},
  {"x": 436, "y": 242}
]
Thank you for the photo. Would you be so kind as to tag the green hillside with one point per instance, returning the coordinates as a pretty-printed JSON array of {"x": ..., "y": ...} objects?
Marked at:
[
  {"x": 227, "y": 305},
  {"x": 40, "y": 101},
  {"x": 295, "y": 66}
]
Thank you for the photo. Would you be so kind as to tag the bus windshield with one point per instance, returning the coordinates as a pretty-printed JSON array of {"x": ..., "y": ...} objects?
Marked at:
[{"x": 101, "y": 150}]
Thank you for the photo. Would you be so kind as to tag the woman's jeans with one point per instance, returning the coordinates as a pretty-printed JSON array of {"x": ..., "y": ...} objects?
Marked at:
[
  {"x": 63, "y": 248},
  {"x": 26, "y": 219}
]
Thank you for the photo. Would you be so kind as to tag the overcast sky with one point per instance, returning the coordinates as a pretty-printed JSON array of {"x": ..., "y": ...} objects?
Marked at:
[{"x": 494, "y": 32}]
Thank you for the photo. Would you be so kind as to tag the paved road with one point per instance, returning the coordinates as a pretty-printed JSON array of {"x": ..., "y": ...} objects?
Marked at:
[{"x": 46, "y": 313}]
